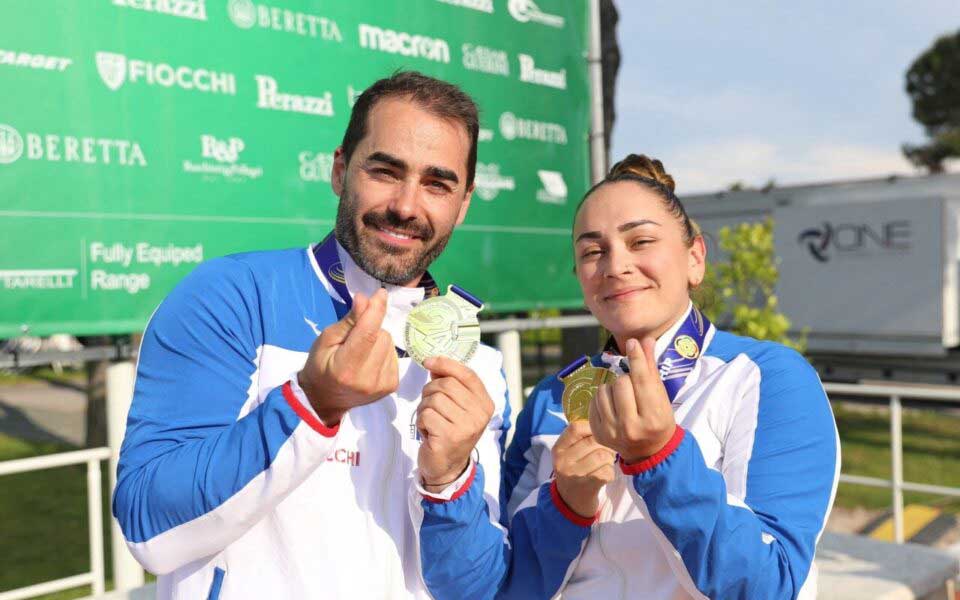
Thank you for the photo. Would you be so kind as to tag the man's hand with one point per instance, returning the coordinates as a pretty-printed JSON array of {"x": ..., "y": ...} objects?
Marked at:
[
  {"x": 582, "y": 467},
  {"x": 633, "y": 415},
  {"x": 352, "y": 362},
  {"x": 454, "y": 412}
]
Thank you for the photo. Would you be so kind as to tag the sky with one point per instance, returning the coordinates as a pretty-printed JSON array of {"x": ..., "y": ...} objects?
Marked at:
[{"x": 750, "y": 91}]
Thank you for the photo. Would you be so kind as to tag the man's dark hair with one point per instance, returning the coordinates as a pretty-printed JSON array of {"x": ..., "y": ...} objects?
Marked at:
[{"x": 439, "y": 97}]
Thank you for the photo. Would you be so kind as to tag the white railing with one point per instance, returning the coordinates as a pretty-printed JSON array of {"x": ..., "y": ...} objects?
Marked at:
[
  {"x": 895, "y": 394},
  {"x": 94, "y": 518},
  {"x": 127, "y": 574},
  {"x": 508, "y": 341}
]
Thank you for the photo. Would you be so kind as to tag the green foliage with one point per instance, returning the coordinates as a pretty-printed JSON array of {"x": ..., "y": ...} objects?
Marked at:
[
  {"x": 738, "y": 291},
  {"x": 932, "y": 84}
]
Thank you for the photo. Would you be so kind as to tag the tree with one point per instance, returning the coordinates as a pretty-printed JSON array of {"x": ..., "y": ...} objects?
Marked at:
[
  {"x": 933, "y": 84},
  {"x": 738, "y": 291}
]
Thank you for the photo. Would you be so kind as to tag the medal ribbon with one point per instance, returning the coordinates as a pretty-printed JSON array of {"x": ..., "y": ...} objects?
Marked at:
[
  {"x": 329, "y": 262},
  {"x": 680, "y": 356}
]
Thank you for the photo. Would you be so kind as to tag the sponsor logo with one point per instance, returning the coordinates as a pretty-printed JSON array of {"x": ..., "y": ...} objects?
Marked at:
[
  {"x": 67, "y": 148},
  {"x": 11, "y": 144},
  {"x": 346, "y": 457},
  {"x": 315, "y": 167},
  {"x": 513, "y": 127},
  {"x": 41, "y": 62},
  {"x": 485, "y": 60},
  {"x": 187, "y": 9},
  {"x": 38, "y": 279},
  {"x": 352, "y": 95},
  {"x": 530, "y": 73},
  {"x": 117, "y": 69},
  {"x": 245, "y": 14},
  {"x": 225, "y": 154},
  {"x": 855, "y": 239},
  {"x": 481, "y": 5},
  {"x": 270, "y": 98},
  {"x": 403, "y": 43},
  {"x": 490, "y": 182},
  {"x": 313, "y": 325},
  {"x": 554, "y": 188},
  {"x": 526, "y": 11},
  {"x": 485, "y": 135},
  {"x": 686, "y": 346}
]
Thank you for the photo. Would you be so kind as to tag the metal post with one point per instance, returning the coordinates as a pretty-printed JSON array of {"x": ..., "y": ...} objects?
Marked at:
[
  {"x": 598, "y": 151},
  {"x": 127, "y": 572},
  {"x": 509, "y": 344},
  {"x": 95, "y": 522},
  {"x": 896, "y": 458}
]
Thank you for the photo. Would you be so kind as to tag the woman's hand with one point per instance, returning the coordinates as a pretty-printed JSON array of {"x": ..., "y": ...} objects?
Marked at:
[
  {"x": 633, "y": 415},
  {"x": 582, "y": 467}
]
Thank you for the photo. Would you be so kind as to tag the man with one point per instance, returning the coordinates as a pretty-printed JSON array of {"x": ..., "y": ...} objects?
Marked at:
[{"x": 281, "y": 444}]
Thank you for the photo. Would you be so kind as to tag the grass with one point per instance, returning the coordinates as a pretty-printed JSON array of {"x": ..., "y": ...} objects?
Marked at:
[
  {"x": 43, "y": 515},
  {"x": 67, "y": 375}
]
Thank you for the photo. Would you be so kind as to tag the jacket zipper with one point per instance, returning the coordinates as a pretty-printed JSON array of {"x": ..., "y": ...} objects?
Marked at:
[
  {"x": 385, "y": 496},
  {"x": 605, "y": 515}
]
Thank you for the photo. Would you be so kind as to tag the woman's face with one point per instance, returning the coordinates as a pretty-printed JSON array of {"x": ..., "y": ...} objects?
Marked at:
[{"x": 634, "y": 267}]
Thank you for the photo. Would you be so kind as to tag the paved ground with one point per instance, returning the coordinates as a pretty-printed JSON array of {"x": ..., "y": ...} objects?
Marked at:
[{"x": 43, "y": 412}]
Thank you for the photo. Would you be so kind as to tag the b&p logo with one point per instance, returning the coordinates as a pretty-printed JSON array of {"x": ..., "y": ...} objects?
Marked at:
[
  {"x": 219, "y": 158},
  {"x": 221, "y": 150},
  {"x": 490, "y": 182},
  {"x": 243, "y": 13},
  {"x": 11, "y": 144},
  {"x": 112, "y": 68}
]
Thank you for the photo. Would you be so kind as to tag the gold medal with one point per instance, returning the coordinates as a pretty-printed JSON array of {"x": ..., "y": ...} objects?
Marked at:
[
  {"x": 444, "y": 326},
  {"x": 580, "y": 383}
]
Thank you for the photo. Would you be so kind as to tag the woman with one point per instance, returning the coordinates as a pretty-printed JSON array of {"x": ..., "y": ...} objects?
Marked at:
[{"x": 707, "y": 469}]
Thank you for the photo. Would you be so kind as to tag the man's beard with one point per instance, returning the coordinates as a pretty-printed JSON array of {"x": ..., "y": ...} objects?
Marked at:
[{"x": 387, "y": 264}]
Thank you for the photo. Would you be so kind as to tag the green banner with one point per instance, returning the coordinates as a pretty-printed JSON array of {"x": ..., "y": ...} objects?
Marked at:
[{"x": 141, "y": 137}]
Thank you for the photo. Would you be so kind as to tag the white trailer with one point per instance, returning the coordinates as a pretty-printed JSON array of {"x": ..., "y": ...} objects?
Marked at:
[{"x": 869, "y": 269}]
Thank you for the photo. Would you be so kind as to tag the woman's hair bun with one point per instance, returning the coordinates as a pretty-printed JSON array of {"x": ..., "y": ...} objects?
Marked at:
[{"x": 641, "y": 165}]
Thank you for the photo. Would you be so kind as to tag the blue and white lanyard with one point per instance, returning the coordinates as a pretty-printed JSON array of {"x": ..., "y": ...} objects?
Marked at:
[
  {"x": 329, "y": 262},
  {"x": 680, "y": 356}
]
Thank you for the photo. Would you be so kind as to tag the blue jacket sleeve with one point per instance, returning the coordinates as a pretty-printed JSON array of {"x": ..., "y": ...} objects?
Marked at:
[
  {"x": 546, "y": 537},
  {"x": 463, "y": 546},
  {"x": 197, "y": 433},
  {"x": 783, "y": 447},
  {"x": 462, "y": 552}
]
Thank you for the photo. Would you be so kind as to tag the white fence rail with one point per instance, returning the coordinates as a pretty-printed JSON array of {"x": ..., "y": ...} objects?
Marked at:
[
  {"x": 95, "y": 576},
  {"x": 128, "y": 575},
  {"x": 895, "y": 395}
]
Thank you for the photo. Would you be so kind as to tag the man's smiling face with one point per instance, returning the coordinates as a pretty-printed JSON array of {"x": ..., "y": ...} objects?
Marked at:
[{"x": 403, "y": 191}]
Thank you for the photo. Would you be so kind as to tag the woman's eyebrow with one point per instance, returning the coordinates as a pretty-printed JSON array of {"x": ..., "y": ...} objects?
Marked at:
[
  {"x": 632, "y": 224},
  {"x": 595, "y": 235}
]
